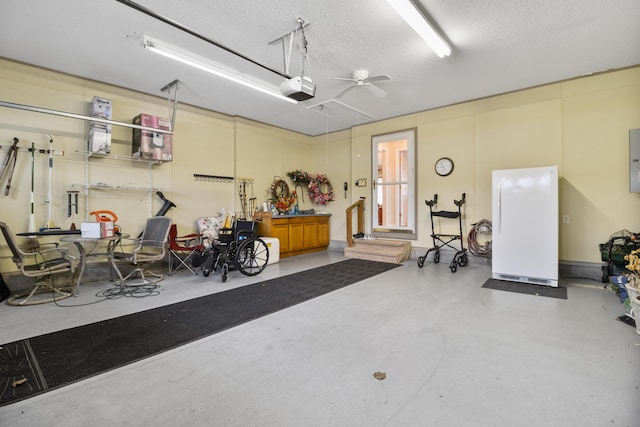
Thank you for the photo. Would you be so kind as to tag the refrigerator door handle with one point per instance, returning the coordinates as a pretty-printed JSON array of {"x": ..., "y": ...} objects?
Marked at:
[{"x": 499, "y": 221}]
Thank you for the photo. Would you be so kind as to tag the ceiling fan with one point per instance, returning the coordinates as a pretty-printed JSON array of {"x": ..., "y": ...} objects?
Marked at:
[{"x": 361, "y": 79}]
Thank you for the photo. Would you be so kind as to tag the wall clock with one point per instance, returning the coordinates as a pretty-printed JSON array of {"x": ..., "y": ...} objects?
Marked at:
[{"x": 444, "y": 166}]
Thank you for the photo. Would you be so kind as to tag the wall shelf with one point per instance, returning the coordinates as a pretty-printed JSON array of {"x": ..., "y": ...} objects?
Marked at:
[
  {"x": 108, "y": 187},
  {"x": 118, "y": 162}
]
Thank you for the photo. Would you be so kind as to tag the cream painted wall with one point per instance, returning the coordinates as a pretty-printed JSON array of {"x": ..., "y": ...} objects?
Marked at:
[
  {"x": 580, "y": 125},
  {"x": 332, "y": 156},
  {"x": 266, "y": 153}
]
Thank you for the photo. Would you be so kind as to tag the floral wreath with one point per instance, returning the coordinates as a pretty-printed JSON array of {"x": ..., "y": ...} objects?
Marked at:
[
  {"x": 320, "y": 190},
  {"x": 300, "y": 177}
]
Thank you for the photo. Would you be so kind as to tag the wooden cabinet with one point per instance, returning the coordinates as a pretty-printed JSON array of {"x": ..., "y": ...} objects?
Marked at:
[
  {"x": 323, "y": 232},
  {"x": 279, "y": 229},
  {"x": 310, "y": 234},
  {"x": 298, "y": 234}
]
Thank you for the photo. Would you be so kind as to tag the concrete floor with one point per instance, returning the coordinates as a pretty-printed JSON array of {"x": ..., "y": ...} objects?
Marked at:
[{"x": 454, "y": 354}]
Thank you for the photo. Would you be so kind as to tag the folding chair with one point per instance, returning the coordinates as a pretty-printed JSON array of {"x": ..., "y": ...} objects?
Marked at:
[{"x": 182, "y": 250}]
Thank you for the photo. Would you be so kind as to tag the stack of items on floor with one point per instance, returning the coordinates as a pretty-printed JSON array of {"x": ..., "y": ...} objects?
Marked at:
[{"x": 622, "y": 252}]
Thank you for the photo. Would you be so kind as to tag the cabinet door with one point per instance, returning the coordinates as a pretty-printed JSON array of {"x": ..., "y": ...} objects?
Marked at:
[
  {"x": 323, "y": 232},
  {"x": 310, "y": 235},
  {"x": 281, "y": 232},
  {"x": 296, "y": 233}
]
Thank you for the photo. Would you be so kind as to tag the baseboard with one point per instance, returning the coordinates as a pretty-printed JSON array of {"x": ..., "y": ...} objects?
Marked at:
[{"x": 579, "y": 269}]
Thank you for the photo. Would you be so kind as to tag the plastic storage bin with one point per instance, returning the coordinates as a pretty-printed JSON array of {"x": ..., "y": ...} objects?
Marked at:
[{"x": 273, "y": 243}]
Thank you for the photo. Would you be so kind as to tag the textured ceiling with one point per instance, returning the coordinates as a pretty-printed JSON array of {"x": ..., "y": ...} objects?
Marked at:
[{"x": 498, "y": 46}]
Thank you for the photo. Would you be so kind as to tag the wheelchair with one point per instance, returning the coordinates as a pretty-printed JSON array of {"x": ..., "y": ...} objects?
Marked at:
[{"x": 237, "y": 248}]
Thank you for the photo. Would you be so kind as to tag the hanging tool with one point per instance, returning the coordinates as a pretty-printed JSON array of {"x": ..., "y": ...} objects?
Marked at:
[
  {"x": 252, "y": 207},
  {"x": 50, "y": 224},
  {"x": 72, "y": 205},
  {"x": 32, "y": 241},
  {"x": 166, "y": 205},
  {"x": 242, "y": 192},
  {"x": 10, "y": 162}
]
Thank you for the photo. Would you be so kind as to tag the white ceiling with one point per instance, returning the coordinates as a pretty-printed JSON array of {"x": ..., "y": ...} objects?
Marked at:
[{"x": 498, "y": 46}]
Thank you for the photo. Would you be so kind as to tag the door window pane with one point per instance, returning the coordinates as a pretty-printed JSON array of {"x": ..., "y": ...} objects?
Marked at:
[{"x": 393, "y": 193}]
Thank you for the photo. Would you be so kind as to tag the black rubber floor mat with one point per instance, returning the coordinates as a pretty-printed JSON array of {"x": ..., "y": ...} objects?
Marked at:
[
  {"x": 526, "y": 288},
  {"x": 35, "y": 365}
]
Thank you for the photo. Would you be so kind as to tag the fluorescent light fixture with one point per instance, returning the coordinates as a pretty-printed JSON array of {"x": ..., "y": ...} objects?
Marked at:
[
  {"x": 408, "y": 11},
  {"x": 204, "y": 64}
]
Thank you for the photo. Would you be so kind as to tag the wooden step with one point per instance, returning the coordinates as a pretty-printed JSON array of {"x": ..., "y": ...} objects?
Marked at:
[{"x": 392, "y": 251}]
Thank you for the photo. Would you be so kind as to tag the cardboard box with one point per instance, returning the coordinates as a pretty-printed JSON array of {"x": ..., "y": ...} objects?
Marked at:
[
  {"x": 149, "y": 145},
  {"x": 100, "y": 133},
  {"x": 96, "y": 230},
  {"x": 99, "y": 141}
]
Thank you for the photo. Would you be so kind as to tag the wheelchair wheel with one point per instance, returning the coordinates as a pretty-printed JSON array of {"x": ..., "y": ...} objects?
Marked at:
[
  {"x": 420, "y": 261},
  {"x": 207, "y": 266},
  {"x": 252, "y": 257},
  {"x": 225, "y": 272},
  {"x": 436, "y": 257}
]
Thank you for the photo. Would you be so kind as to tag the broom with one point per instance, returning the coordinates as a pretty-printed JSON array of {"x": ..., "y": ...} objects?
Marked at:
[{"x": 32, "y": 241}]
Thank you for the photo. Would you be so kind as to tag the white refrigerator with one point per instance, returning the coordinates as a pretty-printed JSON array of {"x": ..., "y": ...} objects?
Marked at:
[{"x": 525, "y": 225}]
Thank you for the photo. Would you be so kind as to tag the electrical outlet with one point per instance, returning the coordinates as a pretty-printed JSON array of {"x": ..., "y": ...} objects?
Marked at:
[{"x": 565, "y": 219}]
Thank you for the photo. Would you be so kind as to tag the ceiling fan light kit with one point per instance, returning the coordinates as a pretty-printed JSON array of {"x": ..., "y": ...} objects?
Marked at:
[
  {"x": 203, "y": 64},
  {"x": 421, "y": 25}
]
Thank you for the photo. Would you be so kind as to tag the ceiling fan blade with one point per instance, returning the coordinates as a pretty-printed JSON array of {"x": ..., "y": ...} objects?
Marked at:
[
  {"x": 345, "y": 91},
  {"x": 376, "y": 90},
  {"x": 379, "y": 78},
  {"x": 343, "y": 79}
]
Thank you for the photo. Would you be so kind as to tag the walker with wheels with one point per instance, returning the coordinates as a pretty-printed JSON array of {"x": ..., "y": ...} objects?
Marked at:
[{"x": 441, "y": 240}]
